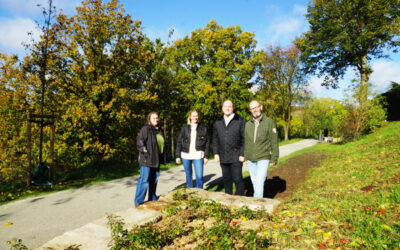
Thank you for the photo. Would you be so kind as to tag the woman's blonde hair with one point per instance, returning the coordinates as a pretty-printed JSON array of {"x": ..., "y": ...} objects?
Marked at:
[{"x": 190, "y": 113}]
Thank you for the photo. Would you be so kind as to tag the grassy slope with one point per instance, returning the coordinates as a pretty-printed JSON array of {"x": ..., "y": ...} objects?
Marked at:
[{"x": 352, "y": 200}]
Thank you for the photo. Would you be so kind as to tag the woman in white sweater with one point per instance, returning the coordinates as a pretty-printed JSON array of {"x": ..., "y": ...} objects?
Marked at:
[{"x": 193, "y": 148}]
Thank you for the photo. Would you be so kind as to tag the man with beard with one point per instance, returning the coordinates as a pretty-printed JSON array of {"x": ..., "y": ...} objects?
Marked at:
[
  {"x": 228, "y": 147},
  {"x": 261, "y": 147}
]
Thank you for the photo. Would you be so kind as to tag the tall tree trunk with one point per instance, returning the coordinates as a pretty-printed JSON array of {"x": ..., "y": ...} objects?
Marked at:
[
  {"x": 165, "y": 136},
  {"x": 365, "y": 73},
  {"x": 172, "y": 140},
  {"x": 286, "y": 122}
]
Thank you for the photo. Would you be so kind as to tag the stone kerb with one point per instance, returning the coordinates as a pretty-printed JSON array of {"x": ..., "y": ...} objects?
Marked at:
[
  {"x": 96, "y": 235},
  {"x": 268, "y": 205}
]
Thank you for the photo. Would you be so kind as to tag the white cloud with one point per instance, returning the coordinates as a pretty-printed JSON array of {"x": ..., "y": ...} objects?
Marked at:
[
  {"x": 384, "y": 72},
  {"x": 322, "y": 91},
  {"x": 299, "y": 9},
  {"x": 284, "y": 29},
  {"x": 315, "y": 86},
  {"x": 15, "y": 31}
]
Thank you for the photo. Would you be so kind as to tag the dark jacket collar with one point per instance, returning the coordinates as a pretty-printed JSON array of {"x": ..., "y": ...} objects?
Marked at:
[
  {"x": 198, "y": 125},
  {"x": 235, "y": 117},
  {"x": 153, "y": 128}
]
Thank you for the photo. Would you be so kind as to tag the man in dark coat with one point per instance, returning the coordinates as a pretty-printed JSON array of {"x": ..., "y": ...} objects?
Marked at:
[{"x": 228, "y": 147}]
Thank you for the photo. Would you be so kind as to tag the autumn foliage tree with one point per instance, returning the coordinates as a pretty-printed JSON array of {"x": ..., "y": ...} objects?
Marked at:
[
  {"x": 104, "y": 65},
  {"x": 14, "y": 96}
]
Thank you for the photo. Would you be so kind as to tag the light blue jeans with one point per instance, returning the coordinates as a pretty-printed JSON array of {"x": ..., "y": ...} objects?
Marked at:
[
  {"x": 198, "y": 169},
  {"x": 258, "y": 173}
]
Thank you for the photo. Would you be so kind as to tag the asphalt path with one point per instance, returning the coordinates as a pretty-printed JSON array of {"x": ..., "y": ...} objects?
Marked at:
[{"x": 39, "y": 219}]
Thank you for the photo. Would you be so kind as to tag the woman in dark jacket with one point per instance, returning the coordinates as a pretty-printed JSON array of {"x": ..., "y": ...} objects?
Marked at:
[
  {"x": 150, "y": 144},
  {"x": 193, "y": 147}
]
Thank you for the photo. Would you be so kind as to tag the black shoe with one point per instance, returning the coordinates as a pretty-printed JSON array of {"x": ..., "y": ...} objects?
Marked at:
[{"x": 137, "y": 205}]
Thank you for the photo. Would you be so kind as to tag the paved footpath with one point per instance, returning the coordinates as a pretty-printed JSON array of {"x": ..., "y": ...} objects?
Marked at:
[{"x": 37, "y": 220}]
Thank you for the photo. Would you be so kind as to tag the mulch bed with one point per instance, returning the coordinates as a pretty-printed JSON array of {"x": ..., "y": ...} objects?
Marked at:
[{"x": 282, "y": 182}]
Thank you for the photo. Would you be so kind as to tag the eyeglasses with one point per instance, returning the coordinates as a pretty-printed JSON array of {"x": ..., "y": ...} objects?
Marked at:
[{"x": 256, "y": 107}]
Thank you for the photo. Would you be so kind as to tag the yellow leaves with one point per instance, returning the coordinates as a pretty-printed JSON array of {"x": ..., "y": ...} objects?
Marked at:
[
  {"x": 8, "y": 224},
  {"x": 278, "y": 225},
  {"x": 287, "y": 213},
  {"x": 327, "y": 236},
  {"x": 319, "y": 232},
  {"x": 386, "y": 227},
  {"x": 357, "y": 242}
]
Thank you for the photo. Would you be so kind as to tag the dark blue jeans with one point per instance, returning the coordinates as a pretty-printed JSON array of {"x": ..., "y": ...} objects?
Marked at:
[
  {"x": 148, "y": 178},
  {"x": 198, "y": 169}
]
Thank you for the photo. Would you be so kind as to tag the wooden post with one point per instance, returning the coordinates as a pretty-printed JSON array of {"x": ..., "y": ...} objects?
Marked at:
[
  {"x": 52, "y": 133},
  {"x": 165, "y": 139},
  {"x": 28, "y": 132},
  {"x": 172, "y": 140}
]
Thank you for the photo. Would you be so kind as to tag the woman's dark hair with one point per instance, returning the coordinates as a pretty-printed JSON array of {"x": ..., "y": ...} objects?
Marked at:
[{"x": 149, "y": 115}]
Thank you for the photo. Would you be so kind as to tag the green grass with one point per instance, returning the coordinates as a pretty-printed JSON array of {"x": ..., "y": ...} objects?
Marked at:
[
  {"x": 281, "y": 143},
  {"x": 350, "y": 201}
]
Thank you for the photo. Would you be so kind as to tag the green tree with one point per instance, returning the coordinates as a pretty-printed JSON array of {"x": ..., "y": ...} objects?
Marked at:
[
  {"x": 357, "y": 123},
  {"x": 170, "y": 101},
  {"x": 213, "y": 64},
  {"x": 282, "y": 82},
  {"x": 347, "y": 34},
  {"x": 322, "y": 114}
]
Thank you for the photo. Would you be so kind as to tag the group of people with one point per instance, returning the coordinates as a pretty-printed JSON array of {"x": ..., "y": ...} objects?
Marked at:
[{"x": 235, "y": 142}]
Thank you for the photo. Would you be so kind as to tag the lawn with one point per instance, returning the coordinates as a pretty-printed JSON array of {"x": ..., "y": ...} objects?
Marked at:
[{"x": 352, "y": 200}]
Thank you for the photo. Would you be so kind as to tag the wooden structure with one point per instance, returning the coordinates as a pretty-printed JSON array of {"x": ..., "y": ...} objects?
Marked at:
[{"x": 49, "y": 122}]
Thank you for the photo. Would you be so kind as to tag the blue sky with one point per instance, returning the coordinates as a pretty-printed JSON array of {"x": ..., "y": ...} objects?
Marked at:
[{"x": 273, "y": 22}]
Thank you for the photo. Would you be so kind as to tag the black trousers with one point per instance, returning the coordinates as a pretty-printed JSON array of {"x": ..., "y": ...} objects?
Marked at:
[{"x": 232, "y": 172}]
